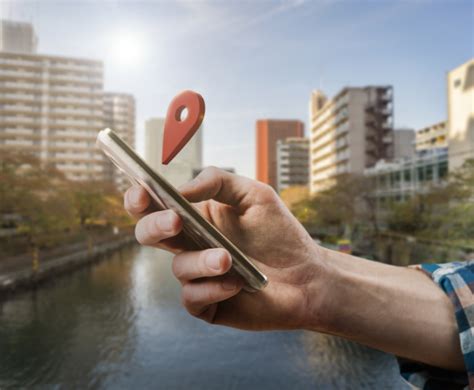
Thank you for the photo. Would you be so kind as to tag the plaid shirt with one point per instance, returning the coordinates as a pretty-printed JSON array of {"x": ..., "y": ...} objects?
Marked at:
[{"x": 457, "y": 281}]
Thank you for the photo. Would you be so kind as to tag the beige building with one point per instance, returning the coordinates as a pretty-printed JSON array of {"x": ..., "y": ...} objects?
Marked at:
[
  {"x": 292, "y": 162},
  {"x": 119, "y": 115},
  {"x": 17, "y": 37},
  {"x": 432, "y": 137},
  {"x": 349, "y": 132},
  {"x": 50, "y": 106},
  {"x": 53, "y": 107},
  {"x": 460, "y": 90},
  {"x": 181, "y": 169}
]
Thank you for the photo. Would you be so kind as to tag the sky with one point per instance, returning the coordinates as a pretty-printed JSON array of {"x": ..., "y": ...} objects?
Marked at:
[{"x": 260, "y": 59}]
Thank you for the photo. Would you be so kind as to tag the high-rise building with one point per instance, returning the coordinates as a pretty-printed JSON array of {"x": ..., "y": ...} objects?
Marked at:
[
  {"x": 460, "y": 89},
  {"x": 432, "y": 138},
  {"x": 17, "y": 37},
  {"x": 268, "y": 132},
  {"x": 292, "y": 162},
  {"x": 349, "y": 132},
  {"x": 53, "y": 107},
  {"x": 119, "y": 115},
  {"x": 403, "y": 143},
  {"x": 181, "y": 169}
]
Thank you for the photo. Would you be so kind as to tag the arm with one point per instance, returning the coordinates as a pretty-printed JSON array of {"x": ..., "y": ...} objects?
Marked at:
[{"x": 394, "y": 309}]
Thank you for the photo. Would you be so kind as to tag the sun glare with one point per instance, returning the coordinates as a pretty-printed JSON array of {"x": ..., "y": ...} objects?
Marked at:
[{"x": 128, "y": 49}]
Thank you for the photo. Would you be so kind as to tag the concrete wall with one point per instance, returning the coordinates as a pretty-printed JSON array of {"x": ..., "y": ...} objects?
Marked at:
[{"x": 460, "y": 88}]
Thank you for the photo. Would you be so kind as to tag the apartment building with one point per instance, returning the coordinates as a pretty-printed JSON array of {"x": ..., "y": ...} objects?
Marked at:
[
  {"x": 53, "y": 106},
  {"x": 17, "y": 37},
  {"x": 349, "y": 132},
  {"x": 432, "y": 138},
  {"x": 460, "y": 90},
  {"x": 292, "y": 162},
  {"x": 119, "y": 115},
  {"x": 268, "y": 132}
]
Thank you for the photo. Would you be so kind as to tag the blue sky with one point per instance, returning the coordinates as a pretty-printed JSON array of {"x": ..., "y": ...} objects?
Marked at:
[{"x": 261, "y": 59}]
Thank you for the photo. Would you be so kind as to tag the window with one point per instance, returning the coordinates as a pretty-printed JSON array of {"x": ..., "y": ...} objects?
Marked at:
[
  {"x": 429, "y": 172},
  {"x": 407, "y": 175},
  {"x": 457, "y": 83}
]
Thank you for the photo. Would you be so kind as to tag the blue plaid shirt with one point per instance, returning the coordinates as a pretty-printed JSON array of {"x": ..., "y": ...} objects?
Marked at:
[{"x": 457, "y": 281}]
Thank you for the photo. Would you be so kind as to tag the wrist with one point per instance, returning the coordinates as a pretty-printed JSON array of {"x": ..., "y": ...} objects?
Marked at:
[{"x": 320, "y": 293}]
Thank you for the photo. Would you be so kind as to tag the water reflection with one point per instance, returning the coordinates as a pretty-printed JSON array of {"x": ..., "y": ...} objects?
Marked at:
[{"x": 118, "y": 324}]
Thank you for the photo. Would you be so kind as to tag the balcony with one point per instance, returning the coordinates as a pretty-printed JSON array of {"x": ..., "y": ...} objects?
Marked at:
[
  {"x": 21, "y": 85},
  {"x": 19, "y": 74},
  {"x": 74, "y": 89},
  {"x": 76, "y": 77},
  {"x": 86, "y": 68},
  {"x": 13, "y": 109},
  {"x": 17, "y": 62},
  {"x": 20, "y": 119}
]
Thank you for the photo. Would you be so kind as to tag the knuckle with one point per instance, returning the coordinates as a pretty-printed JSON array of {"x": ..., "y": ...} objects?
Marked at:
[{"x": 265, "y": 193}]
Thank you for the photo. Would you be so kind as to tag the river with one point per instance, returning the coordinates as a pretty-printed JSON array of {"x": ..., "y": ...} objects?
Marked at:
[{"x": 118, "y": 324}]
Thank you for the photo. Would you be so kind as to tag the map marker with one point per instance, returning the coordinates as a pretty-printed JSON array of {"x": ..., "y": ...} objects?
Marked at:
[{"x": 178, "y": 131}]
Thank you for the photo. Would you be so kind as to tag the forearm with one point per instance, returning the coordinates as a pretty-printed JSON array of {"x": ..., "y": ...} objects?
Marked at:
[{"x": 394, "y": 309}]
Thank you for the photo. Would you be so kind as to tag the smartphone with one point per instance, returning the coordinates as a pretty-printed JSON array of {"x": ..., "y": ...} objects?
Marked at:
[{"x": 195, "y": 227}]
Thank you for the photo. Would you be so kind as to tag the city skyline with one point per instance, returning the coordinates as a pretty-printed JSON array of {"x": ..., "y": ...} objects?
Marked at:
[{"x": 270, "y": 57}]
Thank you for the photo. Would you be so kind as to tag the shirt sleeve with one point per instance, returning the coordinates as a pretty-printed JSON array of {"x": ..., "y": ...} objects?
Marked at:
[{"x": 457, "y": 281}]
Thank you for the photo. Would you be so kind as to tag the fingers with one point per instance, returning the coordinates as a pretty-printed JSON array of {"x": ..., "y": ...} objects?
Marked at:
[
  {"x": 214, "y": 183},
  {"x": 158, "y": 226},
  {"x": 199, "y": 296},
  {"x": 200, "y": 264},
  {"x": 136, "y": 201}
]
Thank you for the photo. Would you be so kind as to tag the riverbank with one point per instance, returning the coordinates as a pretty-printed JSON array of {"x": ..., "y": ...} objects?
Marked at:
[{"x": 25, "y": 276}]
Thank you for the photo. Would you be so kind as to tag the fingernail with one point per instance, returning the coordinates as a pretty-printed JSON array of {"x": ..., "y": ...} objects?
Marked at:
[
  {"x": 134, "y": 196},
  {"x": 166, "y": 221},
  {"x": 213, "y": 260},
  {"x": 229, "y": 284}
]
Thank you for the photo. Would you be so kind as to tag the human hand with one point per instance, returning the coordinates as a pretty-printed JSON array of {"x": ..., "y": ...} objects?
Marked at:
[{"x": 254, "y": 218}]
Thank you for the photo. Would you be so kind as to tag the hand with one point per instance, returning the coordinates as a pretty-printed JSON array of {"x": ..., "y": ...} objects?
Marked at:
[
  {"x": 382, "y": 306},
  {"x": 254, "y": 218}
]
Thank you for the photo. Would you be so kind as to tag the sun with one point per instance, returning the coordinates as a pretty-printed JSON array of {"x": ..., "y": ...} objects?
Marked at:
[{"x": 127, "y": 49}]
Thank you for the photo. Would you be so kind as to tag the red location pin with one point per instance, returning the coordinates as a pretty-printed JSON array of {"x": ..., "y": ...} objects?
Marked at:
[{"x": 178, "y": 132}]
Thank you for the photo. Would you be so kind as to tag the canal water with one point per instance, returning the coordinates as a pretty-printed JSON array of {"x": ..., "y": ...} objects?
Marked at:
[{"x": 118, "y": 324}]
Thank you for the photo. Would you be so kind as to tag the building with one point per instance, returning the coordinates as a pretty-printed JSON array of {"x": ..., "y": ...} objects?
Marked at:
[
  {"x": 181, "y": 169},
  {"x": 53, "y": 107},
  {"x": 400, "y": 180},
  {"x": 119, "y": 115},
  {"x": 460, "y": 90},
  {"x": 349, "y": 133},
  {"x": 268, "y": 132},
  {"x": 292, "y": 162},
  {"x": 17, "y": 37},
  {"x": 403, "y": 143},
  {"x": 432, "y": 138}
]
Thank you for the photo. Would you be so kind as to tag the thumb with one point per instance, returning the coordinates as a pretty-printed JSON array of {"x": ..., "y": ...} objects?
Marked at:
[{"x": 214, "y": 183}]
